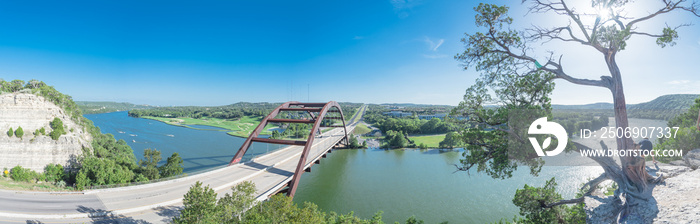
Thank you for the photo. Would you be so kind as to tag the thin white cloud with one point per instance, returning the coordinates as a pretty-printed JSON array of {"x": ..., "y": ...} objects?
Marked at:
[
  {"x": 434, "y": 45},
  {"x": 678, "y": 82},
  {"x": 358, "y": 38},
  {"x": 401, "y": 7}
]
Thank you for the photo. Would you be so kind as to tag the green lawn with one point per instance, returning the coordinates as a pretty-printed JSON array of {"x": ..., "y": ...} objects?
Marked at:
[
  {"x": 361, "y": 129},
  {"x": 432, "y": 141},
  {"x": 241, "y": 127}
]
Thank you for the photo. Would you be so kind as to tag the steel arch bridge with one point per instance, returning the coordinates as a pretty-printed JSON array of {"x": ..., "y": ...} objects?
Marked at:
[{"x": 317, "y": 113}]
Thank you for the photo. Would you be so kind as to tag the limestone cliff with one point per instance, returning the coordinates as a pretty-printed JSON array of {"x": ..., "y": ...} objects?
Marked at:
[{"x": 33, "y": 112}]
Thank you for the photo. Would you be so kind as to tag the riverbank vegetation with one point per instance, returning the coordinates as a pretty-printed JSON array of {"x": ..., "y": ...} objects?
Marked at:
[
  {"x": 98, "y": 107},
  {"x": 108, "y": 161},
  {"x": 240, "y": 119},
  {"x": 201, "y": 206},
  {"x": 688, "y": 136},
  {"x": 241, "y": 127}
]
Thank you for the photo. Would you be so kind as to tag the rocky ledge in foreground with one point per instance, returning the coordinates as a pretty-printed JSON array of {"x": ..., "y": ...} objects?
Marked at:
[{"x": 677, "y": 199}]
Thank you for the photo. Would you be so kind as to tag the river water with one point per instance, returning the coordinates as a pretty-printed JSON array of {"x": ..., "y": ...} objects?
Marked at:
[
  {"x": 401, "y": 183},
  {"x": 200, "y": 149}
]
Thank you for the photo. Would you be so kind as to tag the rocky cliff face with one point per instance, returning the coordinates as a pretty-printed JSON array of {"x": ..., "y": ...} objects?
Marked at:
[{"x": 33, "y": 112}]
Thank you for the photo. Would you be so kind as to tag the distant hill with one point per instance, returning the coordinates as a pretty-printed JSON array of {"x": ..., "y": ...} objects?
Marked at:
[
  {"x": 662, "y": 108},
  {"x": 96, "y": 107},
  {"x": 665, "y": 102}
]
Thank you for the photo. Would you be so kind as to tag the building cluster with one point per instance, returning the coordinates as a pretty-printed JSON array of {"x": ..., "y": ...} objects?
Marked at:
[{"x": 401, "y": 114}]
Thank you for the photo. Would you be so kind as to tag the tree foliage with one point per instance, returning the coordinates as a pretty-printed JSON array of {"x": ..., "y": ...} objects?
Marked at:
[
  {"x": 533, "y": 200},
  {"x": 451, "y": 140},
  {"x": 201, "y": 206},
  {"x": 18, "y": 173},
  {"x": 57, "y": 128},
  {"x": 149, "y": 165},
  {"x": 688, "y": 136},
  {"x": 19, "y": 132},
  {"x": 54, "y": 172},
  {"x": 172, "y": 167},
  {"x": 354, "y": 143},
  {"x": 394, "y": 140},
  {"x": 10, "y": 132}
]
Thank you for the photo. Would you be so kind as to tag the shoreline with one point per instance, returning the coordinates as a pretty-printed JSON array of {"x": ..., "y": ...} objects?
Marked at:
[{"x": 183, "y": 124}]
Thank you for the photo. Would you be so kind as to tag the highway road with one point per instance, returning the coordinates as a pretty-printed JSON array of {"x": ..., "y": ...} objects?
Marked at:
[{"x": 159, "y": 202}]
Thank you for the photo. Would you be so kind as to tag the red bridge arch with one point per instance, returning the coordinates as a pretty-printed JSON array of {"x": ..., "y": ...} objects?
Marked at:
[{"x": 311, "y": 108}]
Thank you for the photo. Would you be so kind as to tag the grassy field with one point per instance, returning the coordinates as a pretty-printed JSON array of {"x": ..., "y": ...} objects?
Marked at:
[
  {"x": 361, "y": 129},
  {"x": 241, "y": 127},
  {"x": 432, "y": 141},
  {"x": 9, "y": 184}
]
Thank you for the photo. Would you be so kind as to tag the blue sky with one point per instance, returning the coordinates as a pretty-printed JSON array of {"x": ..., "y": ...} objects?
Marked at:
[{"x": 222, "y": 52}]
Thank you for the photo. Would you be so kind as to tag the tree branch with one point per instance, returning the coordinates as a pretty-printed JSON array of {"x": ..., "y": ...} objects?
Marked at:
[{"x": 670, "y": 6}]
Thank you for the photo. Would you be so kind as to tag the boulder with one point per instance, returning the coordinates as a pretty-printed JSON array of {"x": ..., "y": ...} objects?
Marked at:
[
  {"x": 692, "y": 158},
  {"x": 679, "y": 162}
]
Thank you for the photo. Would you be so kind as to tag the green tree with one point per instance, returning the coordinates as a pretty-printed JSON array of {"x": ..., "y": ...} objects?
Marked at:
[
  {"x": 451, "y": 140},
  {"x": 81, "y": 181},
  {"x": 354, "y": 144},
  {"x": 149, "y": 165},
  {"x": 276, "y": 135},
  {"x": 235, "y": 204},
  {"x": 10, "y": 132},
  {"x": 199, "y": 206},
  {"x": 395, "y": 139},
  {"x": 172, "y": 167},
  {"x": 54, "y": 172},
  {"x": 506, "y": 59},
  {"x": 422, "y": 146},
  {"x": 19, "y": 132}
]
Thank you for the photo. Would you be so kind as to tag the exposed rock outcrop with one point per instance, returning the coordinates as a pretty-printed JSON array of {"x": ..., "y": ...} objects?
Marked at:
[
  {"x": 692, "y": 158},
  {"x": 33, "y": 112},
  {"x": 676, "y": 200}
]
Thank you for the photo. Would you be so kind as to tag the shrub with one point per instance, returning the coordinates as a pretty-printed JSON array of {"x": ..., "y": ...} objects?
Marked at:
[
  {"x": 24, "y": 174},
  {"x": 61, "y": 184},
  {"x": 10, "y": 132},
  {"x": 57, "y": 126},
  {"x": 40, "y": 131},
  {"x": 54, "y": 173},
  {"x": 19, "y": 132}
]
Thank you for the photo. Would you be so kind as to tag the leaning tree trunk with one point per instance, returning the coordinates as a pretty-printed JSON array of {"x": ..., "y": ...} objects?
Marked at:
[{"x": 632, "y": 189}]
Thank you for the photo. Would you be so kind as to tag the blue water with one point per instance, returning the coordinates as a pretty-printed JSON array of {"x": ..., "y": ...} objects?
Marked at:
[{"x": 199, "y": 149}]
